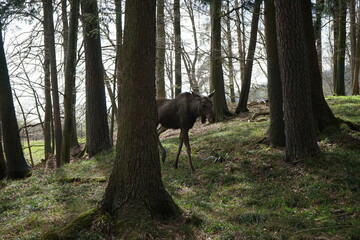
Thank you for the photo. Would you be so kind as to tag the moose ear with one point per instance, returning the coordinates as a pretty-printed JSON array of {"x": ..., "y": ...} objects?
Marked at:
[
  {"x": 211, "y": 94},
  {"x": 195, "y": 94}
]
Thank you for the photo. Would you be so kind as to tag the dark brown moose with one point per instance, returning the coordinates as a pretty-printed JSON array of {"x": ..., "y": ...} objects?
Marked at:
[{"x": 181, "y": 113}]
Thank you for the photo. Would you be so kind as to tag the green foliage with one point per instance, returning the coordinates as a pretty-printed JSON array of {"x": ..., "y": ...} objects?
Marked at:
[{"x": 251, "y": 194}]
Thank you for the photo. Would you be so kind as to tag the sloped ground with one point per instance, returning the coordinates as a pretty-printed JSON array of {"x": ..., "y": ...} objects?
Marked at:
[{"x": 242, "y": 188}]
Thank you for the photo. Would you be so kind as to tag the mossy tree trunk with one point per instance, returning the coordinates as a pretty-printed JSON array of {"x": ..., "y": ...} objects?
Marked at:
[
  {"x": 70, "y": 72},
  {"x": 246, "y": 82},
  {"x": 135, "y": 191},
  {"x": 16, "y": 166},
  {"x": 97, "y": 129},
  {"x": 294, "y": 68},
  {"x": 276, "y": 134}
]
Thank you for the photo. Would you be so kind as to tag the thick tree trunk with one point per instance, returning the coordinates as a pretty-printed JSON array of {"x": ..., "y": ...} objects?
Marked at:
[
  {"x": 160, "y": 50},
  {"x": 16, "y": 166},
  {"x": 276, "y": 134},
  {"x": 355, "y": 80},
  {"x": 119, "y": 50},
  {"x": 97, "y": 129},
  {"x": 246, "y": 83},
  {"x": 323, "y": 116},
  {"x": 216, "y": 71},
  {"x": 135, "y": 191},
  {"x": 50, "y": 40},
  {"x": 299, "y": 125},
  {"x": 177, "y": 33},
  {"x": 70, "y": 71}
]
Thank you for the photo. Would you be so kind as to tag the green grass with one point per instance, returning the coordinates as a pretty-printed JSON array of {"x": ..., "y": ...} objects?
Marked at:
[{"x": 251, "y": 194}]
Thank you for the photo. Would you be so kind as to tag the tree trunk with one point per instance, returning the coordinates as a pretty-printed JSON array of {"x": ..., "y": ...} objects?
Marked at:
[
  {"x": 322, "y": 114},
  {"x": 240, "y": 40},
  {"x": 48, "y": 105},
  {"x": 246, "y": 83},
  {"x": 160, "y": 50},
  {"x": 352, "y": 13},
  {"x": 317, "y": 29},
  {"x": 335, "y": 13},
  {"x": 177, "y": 33},
  {"x": 97, "y": 129},
  {"x": 299, "y": 125},
  {"x": 230, "y": 56},
  {"x": 216, "y": 71},
  {"x": 70, "y": 72},
  {"x": 276, "y": 134},
  {"x": 16, "y": 166},
  {"x": 50, "y": 40},
  {"x": 355, "y": 80},
  {"x": 135, "y": 190},
  {"x": 2, "y": 158},
  {"x": 339, "y": 84},
  {"x": 119, "y": 50}
]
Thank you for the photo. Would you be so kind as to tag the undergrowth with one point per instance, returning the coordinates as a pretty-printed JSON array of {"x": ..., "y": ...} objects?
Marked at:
[{"x": 242, "y": 188}]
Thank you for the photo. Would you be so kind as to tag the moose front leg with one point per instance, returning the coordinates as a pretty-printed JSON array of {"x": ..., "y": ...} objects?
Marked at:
[
  {"x": 185, "y": 137},
  {"x": 162, "y": 150}
]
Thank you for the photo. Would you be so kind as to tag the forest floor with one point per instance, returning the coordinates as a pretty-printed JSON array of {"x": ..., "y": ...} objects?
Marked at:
[{"x": 242, "y": 188}]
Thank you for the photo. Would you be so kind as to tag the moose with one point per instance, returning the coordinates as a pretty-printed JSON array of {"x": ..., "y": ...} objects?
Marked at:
[{"x": 181, "y": 113}]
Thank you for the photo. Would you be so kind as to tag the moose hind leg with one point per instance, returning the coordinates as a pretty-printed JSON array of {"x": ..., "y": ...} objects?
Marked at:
[
  {"x": 160, "y": 130},
  {"x": 188, "y": 149},
  {"x": 179, "y": 150}
]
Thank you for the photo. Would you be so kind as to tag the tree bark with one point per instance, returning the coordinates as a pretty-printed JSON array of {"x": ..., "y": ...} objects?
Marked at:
[
  {"x": 177, "y": 33},
  {"x": 160, "y": 50},
  {"x": 322, "y": 114},
  {"x": 135, "y": 190},
  {"x": 246, "y": 83},
  {"x": 16, "y": 166},
  {"x": 70, "y": 72},
  {"x": 317, "y": 29},
  {"x": 240, "y": 40},
  {"x": 299, "y": 125},
  {"x": 355, "y": 80},
  {"x": 230, "y": 56},
  {"x": 97, "y": 129},
  {"x": 2, "y": 158},
  {"x": 119, "y": 50},
  {"x": 339, "y": 84},
  {"x": 216, "y": 71},
  {"x": 50, "y": 40},
  {"x": 276, "y": 134}
]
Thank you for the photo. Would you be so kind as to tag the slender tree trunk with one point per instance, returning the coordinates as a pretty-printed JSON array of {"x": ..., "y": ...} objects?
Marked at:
[
  {"x": 119, "y": 50},
  {"x": 50, "y": 39},
  {"x": 48, "y": 105},
  {"x": 97, "y": 129},
  {"x": 2, "y": 158},
  {"x": 352, "y": 13},
  {"x": 355, "y": 80},
  {"x": 339, "y": 84},
  {"x": 160, "y": 50},
  {"x": 246, "y": 83},
  {"x": 230, "y": 56},
  {"x": 299, "y": 125},
  {"x": 216, "y": 70},
  {"x": 322, "y": 114},
  {"x": 135, "y": 191},
  {"x": 70, "y": 71},
  {"x": 276, "y": 134},
  {"x": 335, "y": 13},
  {"x": 16, "y": 166},
  {"x": 25, "y": 128},
  {"x": 240, "y": 40},
  {"x": 177, "y": 33},
  {"x": 317, "y": 29}
]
